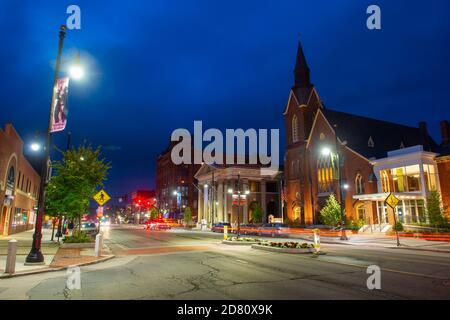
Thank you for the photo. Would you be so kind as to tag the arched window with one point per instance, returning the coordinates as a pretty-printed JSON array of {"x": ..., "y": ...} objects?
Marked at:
[
  {"x": 325, "y": 173},
  {"x": 295, "y": 129},
  {"x": 10, "y": 180},
  {"x": 385, "y": 182},
  {"x": 359, "y": 184}
]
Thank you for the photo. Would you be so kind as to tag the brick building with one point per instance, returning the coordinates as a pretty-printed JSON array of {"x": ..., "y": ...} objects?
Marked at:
[
  {"x": 172, "y": 178},
  {"x": 19, "y": 184},
  {"x": 332, "y": 152}
]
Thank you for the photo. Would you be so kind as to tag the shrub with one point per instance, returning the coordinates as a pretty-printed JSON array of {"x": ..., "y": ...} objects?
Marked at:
[
  {"x": 78, "y": 237},
  {"x": 398, "y": 226}
]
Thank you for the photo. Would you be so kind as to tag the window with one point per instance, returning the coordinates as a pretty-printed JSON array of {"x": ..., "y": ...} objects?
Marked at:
[
  {"x": 295, "y": 129},
  {"x": 271, "y": 186},
  {"x": 385, "y": 182},
  {"x": 430, "y": 176},
  {"x": 359, "y": 184},
  {"x": 406, "y": 179},
  {"x": 254, "y": 186},
  {"x": 325, "y": 171}
]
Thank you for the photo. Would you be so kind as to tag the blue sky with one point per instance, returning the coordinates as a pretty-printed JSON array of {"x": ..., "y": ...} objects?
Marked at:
[{"x": 154, "y": 66}]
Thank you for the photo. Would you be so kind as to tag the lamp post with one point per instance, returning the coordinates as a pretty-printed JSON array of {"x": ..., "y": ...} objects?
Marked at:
[
  {"x": 238, "y": 192},
  {"x": 35, "y": 255},
  {"x": 176, "y": 194}
]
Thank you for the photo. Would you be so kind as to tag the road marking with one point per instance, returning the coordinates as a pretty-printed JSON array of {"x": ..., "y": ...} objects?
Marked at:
[
  {"x": 241, "y": 261},
  {"x": 383, "y": 269}
]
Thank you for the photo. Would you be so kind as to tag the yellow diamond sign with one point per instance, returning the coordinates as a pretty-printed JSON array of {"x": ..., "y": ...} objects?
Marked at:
[
  {"x": 102, "y": 197},
  {"x": 392, "y": 201}
]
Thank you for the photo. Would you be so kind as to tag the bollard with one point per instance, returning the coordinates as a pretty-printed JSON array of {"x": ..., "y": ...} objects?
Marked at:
[
  {"x": 225, "y": 232},
  {"x": 11, "y": 258},
  {"x": 317, "y": 240},
  {"x": 98, "y": 244}
]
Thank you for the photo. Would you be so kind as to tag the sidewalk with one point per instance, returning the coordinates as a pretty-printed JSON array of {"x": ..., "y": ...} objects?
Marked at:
[{"x": 55, "y": 258}]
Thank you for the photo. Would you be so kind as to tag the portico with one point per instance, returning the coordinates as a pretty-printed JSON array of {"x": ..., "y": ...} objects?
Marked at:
[{"x": 217, "y": 203}]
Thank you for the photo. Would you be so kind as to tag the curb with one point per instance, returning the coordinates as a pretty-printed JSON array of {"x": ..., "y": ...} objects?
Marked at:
[
  {"x": 32, "y": 272},
  {"x": 420, "y": 249},
  {"x": 239, "y": 243},
  {"x": 284, "y": 250}
]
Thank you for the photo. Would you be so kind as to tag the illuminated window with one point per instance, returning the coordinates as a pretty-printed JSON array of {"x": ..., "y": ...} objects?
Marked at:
[
  {"x": 359, "y": 184},
  {"x": 295, "y": 129},
  {"x": 325, "y": 173},
  {"x": 385, "y": 182}
]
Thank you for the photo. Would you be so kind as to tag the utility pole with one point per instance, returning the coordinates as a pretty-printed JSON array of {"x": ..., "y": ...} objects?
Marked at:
[{"x": 239, "y": 205}]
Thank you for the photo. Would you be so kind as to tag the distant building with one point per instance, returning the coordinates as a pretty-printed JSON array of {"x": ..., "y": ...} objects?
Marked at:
[
  {"x": 19, "y": 184},
  {"x": 376, "y": 158},
  {"x": 179, "y": 179},
  {"x": 218, "y": 201}
]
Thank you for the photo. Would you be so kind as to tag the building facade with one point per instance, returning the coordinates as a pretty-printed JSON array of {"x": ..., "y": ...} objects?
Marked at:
[
  {"x": 19, "y": 185},
  {"x": 218, "y": 193},
  {"x": 356, "y": 158},
  {"x": 176, "y": 186}
]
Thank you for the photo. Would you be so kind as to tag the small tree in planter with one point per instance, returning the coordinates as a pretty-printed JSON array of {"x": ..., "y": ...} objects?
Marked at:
[
  {"x": 435, "y": 210},
  {"x": 331, "y": 212},
  {"x": 257, "y": 213},
  {"x": 154, "y": 214},
  {"x": 187, "y": 216}
]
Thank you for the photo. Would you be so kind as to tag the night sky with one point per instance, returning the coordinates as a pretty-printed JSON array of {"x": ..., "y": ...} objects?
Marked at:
[{"x": 154, "y": 66}]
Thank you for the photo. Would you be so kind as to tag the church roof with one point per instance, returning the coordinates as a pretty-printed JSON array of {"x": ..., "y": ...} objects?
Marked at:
[{"x": 373, "y": 138}]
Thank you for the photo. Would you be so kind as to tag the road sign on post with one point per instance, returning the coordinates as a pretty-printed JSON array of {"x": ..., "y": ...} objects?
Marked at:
[
  {"x": 392, "y": 202},
  {"x": 102, "y": 197}
]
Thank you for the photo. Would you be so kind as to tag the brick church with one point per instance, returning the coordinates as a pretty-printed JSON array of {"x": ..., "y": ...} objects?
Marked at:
[{"x": 358, "y": 159}]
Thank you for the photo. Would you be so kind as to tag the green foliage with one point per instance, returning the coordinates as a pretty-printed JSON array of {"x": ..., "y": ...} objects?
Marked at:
[
  {"x": 187, "y": 217},
  {"x": 398, "y": 226},
  {"x": 257, "y": 213},
  {"x": 77, "y": 177},
  {"x": 355, "y": 225},
  {"x": 78, "y": 237},
  {"x": 331, "y": 212},
  {"x": 154, "y": 214},
  {"x": 435, "y": 210}
]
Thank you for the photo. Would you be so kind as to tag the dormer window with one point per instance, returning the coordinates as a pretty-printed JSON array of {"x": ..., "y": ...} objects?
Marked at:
[
  {"x": 295, "y": 137},
  {"x": 370, "y": 142}
]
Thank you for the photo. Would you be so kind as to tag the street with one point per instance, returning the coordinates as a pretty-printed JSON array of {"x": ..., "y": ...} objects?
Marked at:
[{"x": 180, "y": 264}]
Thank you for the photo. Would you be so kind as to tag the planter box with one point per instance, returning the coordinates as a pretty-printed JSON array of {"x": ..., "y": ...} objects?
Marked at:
[
  {"x": 77, "y": 245},
  {"x": 239, "y": 243},
  {"x": 284, "y": 250}
]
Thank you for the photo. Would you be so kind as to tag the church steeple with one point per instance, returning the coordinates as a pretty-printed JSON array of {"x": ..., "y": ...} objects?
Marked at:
[{"x": 301, "y": 71}]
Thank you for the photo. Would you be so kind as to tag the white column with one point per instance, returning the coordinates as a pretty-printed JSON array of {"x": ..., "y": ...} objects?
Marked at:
[
  {"x": 225, "y": 201},
  {"x": 200, "y": 208},
  {"x": 220, "y": 201},
  {"x": 263, "y": 201},
  {"x": 206, "y": 204}
]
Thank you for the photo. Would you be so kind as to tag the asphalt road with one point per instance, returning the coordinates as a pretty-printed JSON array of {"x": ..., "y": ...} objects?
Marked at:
[{"x": 195, "y": 265}]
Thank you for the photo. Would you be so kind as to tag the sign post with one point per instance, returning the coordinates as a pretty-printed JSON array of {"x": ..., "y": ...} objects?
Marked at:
[
  {"x": 392, "y": 202},
  {"x": 101, "y": 198}
]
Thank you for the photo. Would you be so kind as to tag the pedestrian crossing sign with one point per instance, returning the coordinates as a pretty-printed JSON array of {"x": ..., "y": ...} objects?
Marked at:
[
  {"x": 102, "y": 197},
  {"x": 392, "y": 201}
]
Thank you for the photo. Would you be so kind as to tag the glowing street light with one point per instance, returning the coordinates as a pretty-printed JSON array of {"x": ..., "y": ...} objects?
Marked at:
[
  {"x": 35, "y": 147},
  {"x": 326, "y": 151}
]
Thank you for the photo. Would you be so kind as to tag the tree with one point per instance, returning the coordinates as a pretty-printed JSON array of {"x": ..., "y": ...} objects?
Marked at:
[
  {"x": 187, "y": 215},
  {"x": 257, "y": 212},
  {"x": 78, "y": 176},
  {"x": 331, "y": 212},
  {"x": 435, "y": 210},
  {"x": 154, "y": 213}
]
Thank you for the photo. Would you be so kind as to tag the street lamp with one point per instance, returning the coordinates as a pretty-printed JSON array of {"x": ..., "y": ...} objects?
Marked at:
[
  {"x": 35, "y": 147},
  {"x": 35, "y": 256}
]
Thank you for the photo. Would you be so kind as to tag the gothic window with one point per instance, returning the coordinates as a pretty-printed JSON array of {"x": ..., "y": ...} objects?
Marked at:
[
  {"x": 295, "y": 137},
  {"x": 325, "y": 173},
  {"x": 384, "y": 182},
  {"x": 10, "y": 179},
  {"x": 359, "y": 184}
]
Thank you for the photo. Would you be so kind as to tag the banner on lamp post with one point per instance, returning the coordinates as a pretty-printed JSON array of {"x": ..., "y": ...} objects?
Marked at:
[{"x": 59, "y": 108}]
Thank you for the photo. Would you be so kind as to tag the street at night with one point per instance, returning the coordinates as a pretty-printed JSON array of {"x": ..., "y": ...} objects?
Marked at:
[
  {"x": 194, "y": 159},
  {"x": 187, "y": 265}
]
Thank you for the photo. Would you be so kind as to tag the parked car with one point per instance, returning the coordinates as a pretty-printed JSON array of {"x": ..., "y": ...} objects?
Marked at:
[
  {"x": 159, "y": 224},
  {"x": 273, "y": 229},
  {"x": 90, "y": 228},
  {"x": 248, "y": 228},
  {"x": 218, "y": 227}
]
